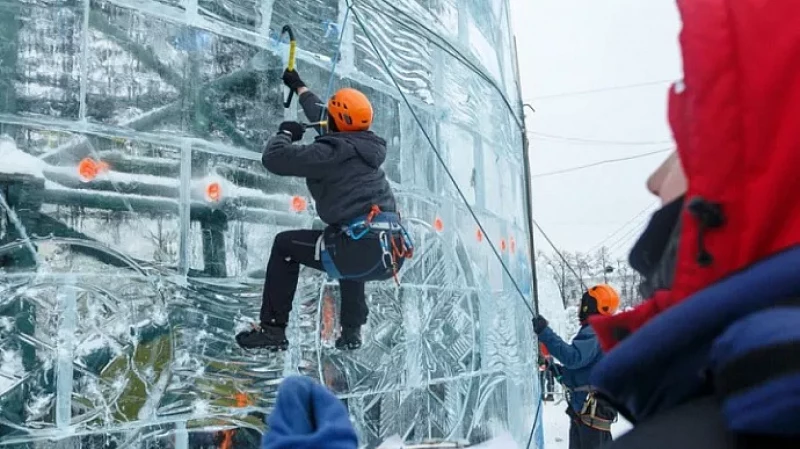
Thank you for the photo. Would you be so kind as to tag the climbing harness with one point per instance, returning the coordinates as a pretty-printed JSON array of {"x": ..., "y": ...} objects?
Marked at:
[
  {"x": 596, "y": 413},
  {"x": 290, "y": 65},
  {"x": 394, "y": 240}
]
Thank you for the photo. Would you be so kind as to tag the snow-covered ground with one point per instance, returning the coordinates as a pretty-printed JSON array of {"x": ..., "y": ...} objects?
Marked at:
[{"x": 556, "y": 426}]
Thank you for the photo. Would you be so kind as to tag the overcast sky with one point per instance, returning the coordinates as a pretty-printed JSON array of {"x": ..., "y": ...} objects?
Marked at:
[{"x": 571, "y": 46}]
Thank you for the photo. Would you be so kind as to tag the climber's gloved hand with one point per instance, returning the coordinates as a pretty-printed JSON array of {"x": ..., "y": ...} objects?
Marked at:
[
  {"x": 294, "y": 129},
  {"x": 539, "y": 324},
  {"x": 292, "y": 80}
]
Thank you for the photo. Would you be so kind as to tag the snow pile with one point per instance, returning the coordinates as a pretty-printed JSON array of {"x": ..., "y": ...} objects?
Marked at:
[{"x": 15, "y": 161}]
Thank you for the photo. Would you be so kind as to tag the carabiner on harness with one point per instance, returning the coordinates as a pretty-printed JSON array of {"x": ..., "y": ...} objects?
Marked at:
[
  {"x": 359, "y": 229},
  {"x": 386, "y": 253}
]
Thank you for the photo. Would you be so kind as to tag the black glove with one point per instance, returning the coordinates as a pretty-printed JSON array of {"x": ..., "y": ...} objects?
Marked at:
[
  {"x": 295, "y": 129},
  {"x": 292, "y": 80},
  {"x": 539, "y": 324}
]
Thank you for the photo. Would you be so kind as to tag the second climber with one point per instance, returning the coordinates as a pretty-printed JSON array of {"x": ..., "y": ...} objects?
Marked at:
[
  {"x": 364, "y": 239},
  {"x": 590, "y": 419}
]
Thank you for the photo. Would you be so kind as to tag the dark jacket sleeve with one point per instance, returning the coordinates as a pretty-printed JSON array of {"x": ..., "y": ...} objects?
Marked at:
[
  {"x": 313, "y": 108},
  {"x": 582, "y": 351},
  {"x": 306, "y": 161}
]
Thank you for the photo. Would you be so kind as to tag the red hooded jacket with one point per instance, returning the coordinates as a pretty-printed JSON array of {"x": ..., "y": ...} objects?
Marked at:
[{"x": 736, "y": 120}]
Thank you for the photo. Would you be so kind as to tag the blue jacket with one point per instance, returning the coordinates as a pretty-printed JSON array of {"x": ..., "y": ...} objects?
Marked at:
[
  {"x": 577, "y": 359},
  {"x": 308, "y": 416}
]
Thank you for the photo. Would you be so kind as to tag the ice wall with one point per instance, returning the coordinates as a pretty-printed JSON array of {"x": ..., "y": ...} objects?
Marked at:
[{"x": 136, "y": 220}]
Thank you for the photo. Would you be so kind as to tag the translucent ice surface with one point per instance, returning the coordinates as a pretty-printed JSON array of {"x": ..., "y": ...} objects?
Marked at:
[{"x": 136, "y": 221}]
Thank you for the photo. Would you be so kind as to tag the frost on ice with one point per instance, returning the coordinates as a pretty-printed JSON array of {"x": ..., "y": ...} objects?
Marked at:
[{"x": 136, "y": 221}]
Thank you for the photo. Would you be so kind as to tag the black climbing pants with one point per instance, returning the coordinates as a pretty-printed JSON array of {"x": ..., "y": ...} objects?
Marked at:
[
  {"x": 356, "y": 258},
  {"x": 582, "y": 436}
]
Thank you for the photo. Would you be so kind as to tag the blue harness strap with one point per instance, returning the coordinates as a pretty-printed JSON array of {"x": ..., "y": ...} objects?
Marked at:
[
  {"x": 387, "y": 225},
  {"x": 383, "y": 221},
  {"x": 327, "y": 262}
]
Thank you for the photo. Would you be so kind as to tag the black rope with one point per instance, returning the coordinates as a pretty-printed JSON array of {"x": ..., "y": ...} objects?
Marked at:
[
  {"x": 441, "y": 160},
  {"x": 561, "y": 256},
  {"x": 535, "y": 419}
]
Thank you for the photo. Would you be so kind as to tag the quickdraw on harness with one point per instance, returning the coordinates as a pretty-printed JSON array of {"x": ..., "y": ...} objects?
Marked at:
[{"x": 395, "y": 243}]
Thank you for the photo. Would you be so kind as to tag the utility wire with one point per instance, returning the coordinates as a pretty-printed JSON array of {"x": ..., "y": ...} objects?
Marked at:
[
  {"x": 601, "y": 89},
  {"x": 544, "y": 136},
  {"x": 599, "y": 244},
  {"x": 625, "y": 238},
  {"x": 438, "y": 155},
  {"x": 603, "y": 162}
]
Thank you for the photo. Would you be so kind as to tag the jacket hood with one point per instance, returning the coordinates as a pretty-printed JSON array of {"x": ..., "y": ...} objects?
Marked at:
[
  {"x": 368, "y": 145},
  {"x": 735, "y": 120}
]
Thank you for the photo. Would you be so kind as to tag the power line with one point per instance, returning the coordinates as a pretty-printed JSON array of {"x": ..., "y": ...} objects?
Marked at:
[
  {"x": 601, "y": 89},
  {"x": 603, "y": 162},
  {"x": 582, "y": 140},
  {"x": 625, "y": 238},
  {"x": 599, "y": 244}
]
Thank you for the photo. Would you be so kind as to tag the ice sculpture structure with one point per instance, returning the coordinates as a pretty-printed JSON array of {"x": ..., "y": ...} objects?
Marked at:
[{"x": 137, "y": 220}]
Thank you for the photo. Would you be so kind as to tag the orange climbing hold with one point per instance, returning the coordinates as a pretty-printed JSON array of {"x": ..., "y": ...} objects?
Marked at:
[
  {"x": 438, "y": 224},
  {"x": 503, "y": 245},
  {"x": 88, "y": 169},
  {"x": 328, "y": 317},
  {"x": 299, "y": 204},
  {"x": 213, "y": 192},
  {"x": 479, "y": 235},
  {"x": 513, "y": 244},
  {"x": 227, "y": 439},
  {"x": 242, "y": 399}
]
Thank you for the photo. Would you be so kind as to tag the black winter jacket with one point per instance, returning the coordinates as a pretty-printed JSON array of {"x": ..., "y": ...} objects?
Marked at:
[{"x": 342, "y": 169}]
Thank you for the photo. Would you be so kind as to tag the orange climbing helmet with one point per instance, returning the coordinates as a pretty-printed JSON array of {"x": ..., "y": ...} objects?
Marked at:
[
  {"x": 350, "y": 110},
  {"x": 607, "y": 299}
]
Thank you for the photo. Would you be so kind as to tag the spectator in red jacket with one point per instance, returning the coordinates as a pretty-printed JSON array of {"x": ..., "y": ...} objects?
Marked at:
[{"x": 711, "y": 359}]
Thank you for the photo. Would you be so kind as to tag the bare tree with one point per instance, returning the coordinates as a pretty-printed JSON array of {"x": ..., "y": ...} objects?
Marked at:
[
  {"x": 603, "y": 263},
  {"x": 559, "y": 271}
]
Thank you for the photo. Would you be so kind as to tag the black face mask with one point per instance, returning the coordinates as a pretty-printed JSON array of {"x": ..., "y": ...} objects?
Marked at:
[
  {"x": 655, "y": 253},
  {"x": 588, "y": 307}
]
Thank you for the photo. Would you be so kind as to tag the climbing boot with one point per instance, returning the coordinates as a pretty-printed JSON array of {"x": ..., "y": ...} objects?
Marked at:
[
  {"x": 271, "y": 338},
  {"x": 350, "y": 338}
]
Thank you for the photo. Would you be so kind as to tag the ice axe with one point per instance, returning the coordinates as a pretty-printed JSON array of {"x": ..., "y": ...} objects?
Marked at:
[
  {"x": 321, "y": 124},
  {"x": 290, "y": 65}
]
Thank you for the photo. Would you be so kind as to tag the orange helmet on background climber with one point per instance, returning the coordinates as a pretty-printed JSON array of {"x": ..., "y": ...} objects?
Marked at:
[
  {"x": 350, "y": 110},
  {"x": 607, "y": 299}
]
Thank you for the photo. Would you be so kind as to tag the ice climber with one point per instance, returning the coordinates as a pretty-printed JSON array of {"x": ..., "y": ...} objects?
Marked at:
[
  {"x": 590, "y": 423},
  {"x": 363, "y": 241},
  {"x": 712, "y": 359}
]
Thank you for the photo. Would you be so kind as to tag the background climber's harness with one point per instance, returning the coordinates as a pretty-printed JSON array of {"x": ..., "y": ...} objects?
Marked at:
[
  {"x": 596, "y": 412},
  {"x": 394, "y": 240}
]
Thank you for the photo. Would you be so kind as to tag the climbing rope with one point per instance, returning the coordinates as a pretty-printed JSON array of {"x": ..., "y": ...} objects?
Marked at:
[{"x": 438, "y": 155}]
